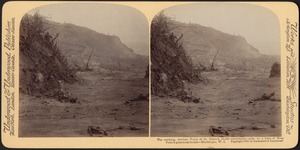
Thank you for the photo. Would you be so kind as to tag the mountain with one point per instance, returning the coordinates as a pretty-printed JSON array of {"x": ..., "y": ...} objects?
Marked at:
[
  {"x": 202, "y": 43},
  {"x": 77, "y": 43}
]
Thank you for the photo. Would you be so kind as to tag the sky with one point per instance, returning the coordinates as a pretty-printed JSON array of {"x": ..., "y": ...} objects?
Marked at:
[
  {"x": 128, "y": 23},
  {"x": 257, "y": 24}
]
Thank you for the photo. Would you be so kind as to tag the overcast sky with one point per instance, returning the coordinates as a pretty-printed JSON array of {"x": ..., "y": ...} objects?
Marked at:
[
  {"x": 126, "y": 22},
  {"x": 257, "y": 24}
]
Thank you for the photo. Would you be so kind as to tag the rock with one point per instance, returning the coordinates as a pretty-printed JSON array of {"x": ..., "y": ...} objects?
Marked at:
[
  {"x": 66, "y": 98},
  {"x": 264, "y": 97},
  {"x": 196, "y": 100},
  {"x": 96, "y": 131},
  {"x": 218, "y": 131},
  {"x": 256, "y": 128},
  {"x": 134, "y": 128},
  {"x": 275, "y": 70},
  {"x": 187, "y": 98},
  {"x": 141, "y": 97}
]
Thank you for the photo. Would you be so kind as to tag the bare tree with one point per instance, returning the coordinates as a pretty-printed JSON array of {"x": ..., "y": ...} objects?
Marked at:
[
  {"x": 88, "y": 61},
  {"x": 212, "y": 63}
]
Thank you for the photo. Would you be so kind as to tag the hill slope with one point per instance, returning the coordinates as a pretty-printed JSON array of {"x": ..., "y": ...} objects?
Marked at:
[
  {"x": 170, "y": 64},
  {"x": 202, "y": 43},
  {"x": 42, "y": 66},
  {"x": 77, "y": 43}
]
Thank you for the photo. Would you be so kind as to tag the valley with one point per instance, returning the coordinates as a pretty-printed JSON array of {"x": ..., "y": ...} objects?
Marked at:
[
  {"x": 76, "y": 82},
  {"x": 225, "y": 103},
  {"x": 101, "y": 102},
  {"x": 209, "y": 83}
]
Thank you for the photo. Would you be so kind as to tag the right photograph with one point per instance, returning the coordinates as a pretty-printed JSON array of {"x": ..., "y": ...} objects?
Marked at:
[{"x": 215, "y": 71}]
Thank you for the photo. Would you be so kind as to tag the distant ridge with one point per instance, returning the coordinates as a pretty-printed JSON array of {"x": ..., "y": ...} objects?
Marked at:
[
  {"x": 202, "y": 43},
  {"x": 77, "y": 43}
]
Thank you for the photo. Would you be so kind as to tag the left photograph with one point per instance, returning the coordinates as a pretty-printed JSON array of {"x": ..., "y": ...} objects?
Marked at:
[{"x": 84, "y": 71}]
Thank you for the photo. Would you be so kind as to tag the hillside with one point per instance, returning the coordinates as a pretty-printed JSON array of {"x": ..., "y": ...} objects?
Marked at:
[
  {"x": 42, "y": 65},
  {"x": 235, "y": 52},
  {"x": 77, "y": 43}
]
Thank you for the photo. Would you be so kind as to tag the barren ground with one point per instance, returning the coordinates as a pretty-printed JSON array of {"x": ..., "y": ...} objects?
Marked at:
[
  {"x": 101, "y": 104},
  {"x": 224, "y": 103}
]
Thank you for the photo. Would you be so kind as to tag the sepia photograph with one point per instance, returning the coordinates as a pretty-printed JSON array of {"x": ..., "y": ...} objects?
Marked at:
[
  {"x": 215, "y": 71},
  {"x": 151, "y": 74},
  {"x": 84, "y": 71}
]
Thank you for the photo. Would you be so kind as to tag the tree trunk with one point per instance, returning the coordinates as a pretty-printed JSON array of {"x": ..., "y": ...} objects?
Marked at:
[
  {"x": 88, "y": 61},
  {"x": 212, "y": 63}
]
